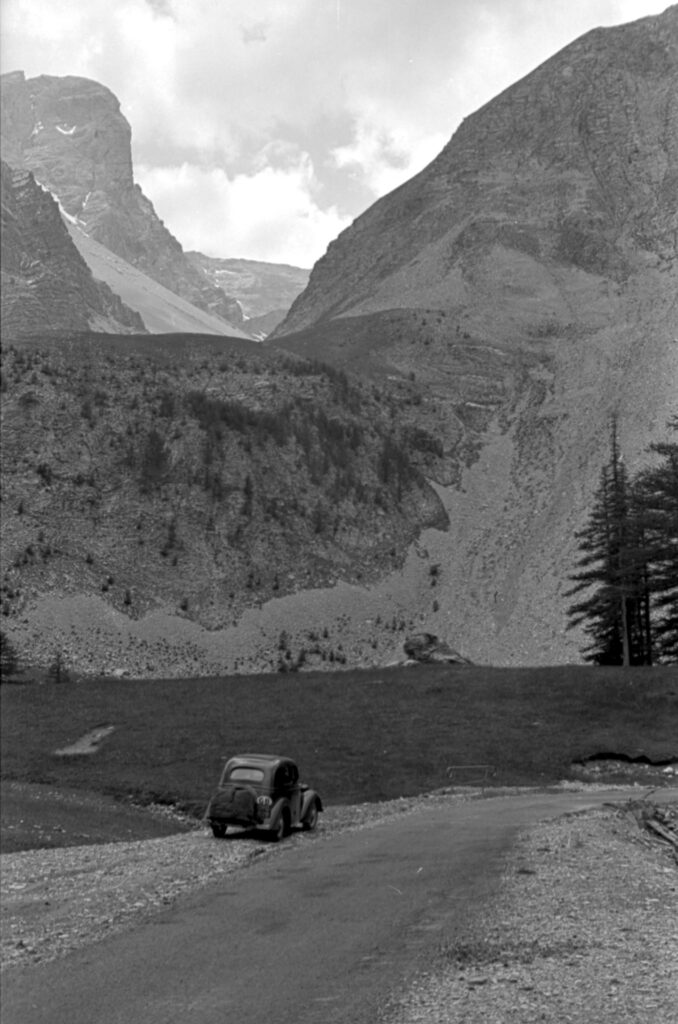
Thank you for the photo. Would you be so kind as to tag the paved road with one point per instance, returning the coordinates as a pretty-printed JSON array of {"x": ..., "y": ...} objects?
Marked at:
[{"x": 318, "y": 932}]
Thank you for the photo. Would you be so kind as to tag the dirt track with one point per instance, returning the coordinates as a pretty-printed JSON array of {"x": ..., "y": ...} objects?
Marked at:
[{"x": 324, "y": 929}]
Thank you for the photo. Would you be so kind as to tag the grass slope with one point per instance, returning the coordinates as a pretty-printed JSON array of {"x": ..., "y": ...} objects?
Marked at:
[{"x": 358, "y": 735}]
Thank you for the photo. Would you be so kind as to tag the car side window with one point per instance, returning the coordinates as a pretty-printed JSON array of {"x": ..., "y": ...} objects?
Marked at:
[{"x": 284, "y": 777}]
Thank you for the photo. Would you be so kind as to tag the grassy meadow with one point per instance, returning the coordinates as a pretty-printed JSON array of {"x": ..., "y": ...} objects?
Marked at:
[{"x": 357, "y": 735}]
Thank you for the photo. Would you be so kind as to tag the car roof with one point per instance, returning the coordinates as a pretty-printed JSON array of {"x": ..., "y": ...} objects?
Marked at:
[{"x": 259, "y": 760}]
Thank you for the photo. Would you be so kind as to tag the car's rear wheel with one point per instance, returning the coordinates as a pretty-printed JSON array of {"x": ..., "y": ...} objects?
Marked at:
[
  {"x": 218, "y": 830},
  {"x": 311, "y": 819}
]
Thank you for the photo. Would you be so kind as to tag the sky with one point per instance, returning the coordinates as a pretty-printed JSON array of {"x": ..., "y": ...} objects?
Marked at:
[{"x": 262, "y": 128}]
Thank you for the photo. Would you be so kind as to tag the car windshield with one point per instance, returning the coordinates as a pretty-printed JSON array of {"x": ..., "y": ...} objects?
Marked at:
[{"x": 244, "y": 774}]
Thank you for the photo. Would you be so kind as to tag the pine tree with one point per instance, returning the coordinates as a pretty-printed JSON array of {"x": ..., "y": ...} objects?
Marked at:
[
  {"x": 613, "y": 572},
  {"x": 656, "y": 498}
]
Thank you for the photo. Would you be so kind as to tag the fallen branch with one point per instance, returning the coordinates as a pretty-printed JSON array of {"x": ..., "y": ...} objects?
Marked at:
[{"x": 653, "y": 824}]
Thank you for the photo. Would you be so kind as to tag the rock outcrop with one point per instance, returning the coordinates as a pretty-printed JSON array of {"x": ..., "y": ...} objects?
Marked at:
[
  {"x": 513, "y": 296},
  {"x": 427, "y": 647},
  {"x": 71, "y": 134},
  {"x": 45, "y": 281}
]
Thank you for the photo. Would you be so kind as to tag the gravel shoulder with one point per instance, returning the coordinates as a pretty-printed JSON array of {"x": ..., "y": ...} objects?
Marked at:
[{"x": 585, "y": 926}]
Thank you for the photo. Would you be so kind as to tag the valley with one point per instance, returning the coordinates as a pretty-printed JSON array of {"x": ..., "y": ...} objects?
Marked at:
[{"x": 416, "y": 443}]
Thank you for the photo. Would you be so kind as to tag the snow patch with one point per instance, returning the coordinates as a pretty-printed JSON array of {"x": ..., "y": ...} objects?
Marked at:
[{"x": 67, "y": 216}]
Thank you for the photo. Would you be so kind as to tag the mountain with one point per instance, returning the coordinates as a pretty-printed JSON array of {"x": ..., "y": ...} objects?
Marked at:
[
  {"x": 44, "y": 279},
  {"x": 188, "y": 505},
  {"x": 571, "y": 170},
  {"x": 71, "y": 134},
  {"x": 513, "y": 296},
  {"x": 265, "y": 291}
]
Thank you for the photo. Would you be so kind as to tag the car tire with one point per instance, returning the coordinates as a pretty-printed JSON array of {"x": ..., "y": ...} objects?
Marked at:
[
  {"x": 311, "y": 818},
  {"x": 218, "y": 830}
]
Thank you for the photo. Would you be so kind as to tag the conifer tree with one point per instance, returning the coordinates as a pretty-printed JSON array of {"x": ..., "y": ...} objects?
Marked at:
[
  {"x": 613, "y": 573},
  {"x": 656, "y": 500}
]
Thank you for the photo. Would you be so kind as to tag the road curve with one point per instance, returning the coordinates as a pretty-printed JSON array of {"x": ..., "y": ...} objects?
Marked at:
[{"x": 320, "y": 931}]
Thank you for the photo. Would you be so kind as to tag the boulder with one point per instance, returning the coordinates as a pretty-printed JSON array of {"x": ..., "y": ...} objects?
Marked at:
[{"x": 427, "y": 647}]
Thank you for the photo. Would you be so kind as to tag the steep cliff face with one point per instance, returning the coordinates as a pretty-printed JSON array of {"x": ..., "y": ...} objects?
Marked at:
[
  {"x": 515, "y": 294},
  {"x": 71, "y": 134},
  {"x": 44, "y": 278}
]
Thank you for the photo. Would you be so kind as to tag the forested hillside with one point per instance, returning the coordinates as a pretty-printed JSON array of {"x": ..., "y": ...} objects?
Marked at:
[{"x": 196, "y": 476}]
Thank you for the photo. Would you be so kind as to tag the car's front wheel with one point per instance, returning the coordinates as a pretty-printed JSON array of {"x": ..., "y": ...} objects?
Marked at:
[
  {"x": 311, "y": 818},
  {"x": 281, "y": 829},
  {"x": 218, "y": 830}
]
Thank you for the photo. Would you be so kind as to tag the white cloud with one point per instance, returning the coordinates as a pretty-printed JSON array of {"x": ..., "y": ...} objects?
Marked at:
[
  {"x": 270, "y": 215},
  {"x": 386, "y": 160},
  {"x": 239, "y": 88}
]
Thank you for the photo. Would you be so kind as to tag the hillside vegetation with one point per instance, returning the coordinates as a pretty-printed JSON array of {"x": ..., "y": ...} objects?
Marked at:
[{"x": 196, "y": 476}]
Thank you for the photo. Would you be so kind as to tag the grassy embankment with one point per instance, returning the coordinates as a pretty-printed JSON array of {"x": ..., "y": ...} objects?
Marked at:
[{"x": 358, "y": 736}]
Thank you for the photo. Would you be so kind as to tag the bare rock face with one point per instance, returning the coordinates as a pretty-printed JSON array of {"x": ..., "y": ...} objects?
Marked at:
[
  {"x": 44, "y": 278},
  {"x": 513, "y": 296},
  {"x": 71, "y": 134}
]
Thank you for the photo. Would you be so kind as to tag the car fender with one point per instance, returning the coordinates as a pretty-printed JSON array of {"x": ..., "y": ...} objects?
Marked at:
[
  {"x": 276, "y": 811},
  {"x": 310, "y": 797}
]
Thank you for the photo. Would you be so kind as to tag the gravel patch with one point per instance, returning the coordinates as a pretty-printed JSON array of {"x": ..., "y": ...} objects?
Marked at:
[{"x": 584, "y": 929}]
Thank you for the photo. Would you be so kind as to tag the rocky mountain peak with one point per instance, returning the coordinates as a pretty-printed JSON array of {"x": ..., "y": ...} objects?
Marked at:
[
  {"x": 72, "y": 135},
  {"x": 574, "y": 165}
]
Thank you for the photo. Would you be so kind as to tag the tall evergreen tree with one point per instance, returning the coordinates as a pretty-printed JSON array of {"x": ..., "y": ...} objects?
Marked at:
[
  {"x": 613, "y": 573},
  {"x": 656, "y": 500}
]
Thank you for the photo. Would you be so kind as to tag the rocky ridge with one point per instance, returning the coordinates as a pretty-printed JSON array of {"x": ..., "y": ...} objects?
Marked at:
[
  {"x": 71, "y": 134},
  {"x": 572, "y": 169}
]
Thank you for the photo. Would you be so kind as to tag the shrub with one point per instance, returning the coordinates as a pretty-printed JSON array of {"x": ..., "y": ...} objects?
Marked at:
[
  {"x": 154, "y": 461},
  {"x": 44, "y": 471},
  {"x": 57, "y": 671},
  {"x": 9, "y": 659}
]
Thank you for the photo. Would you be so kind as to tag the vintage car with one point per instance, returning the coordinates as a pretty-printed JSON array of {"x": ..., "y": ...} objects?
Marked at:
[{"x": 262, "y": 791}]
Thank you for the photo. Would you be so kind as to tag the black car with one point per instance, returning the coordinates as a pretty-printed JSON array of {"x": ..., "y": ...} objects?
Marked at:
[{"x": 262, "y": 791}]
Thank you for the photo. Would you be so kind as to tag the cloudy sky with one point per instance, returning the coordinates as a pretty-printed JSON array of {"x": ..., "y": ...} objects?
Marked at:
[{"x": 261, "y": 128}]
